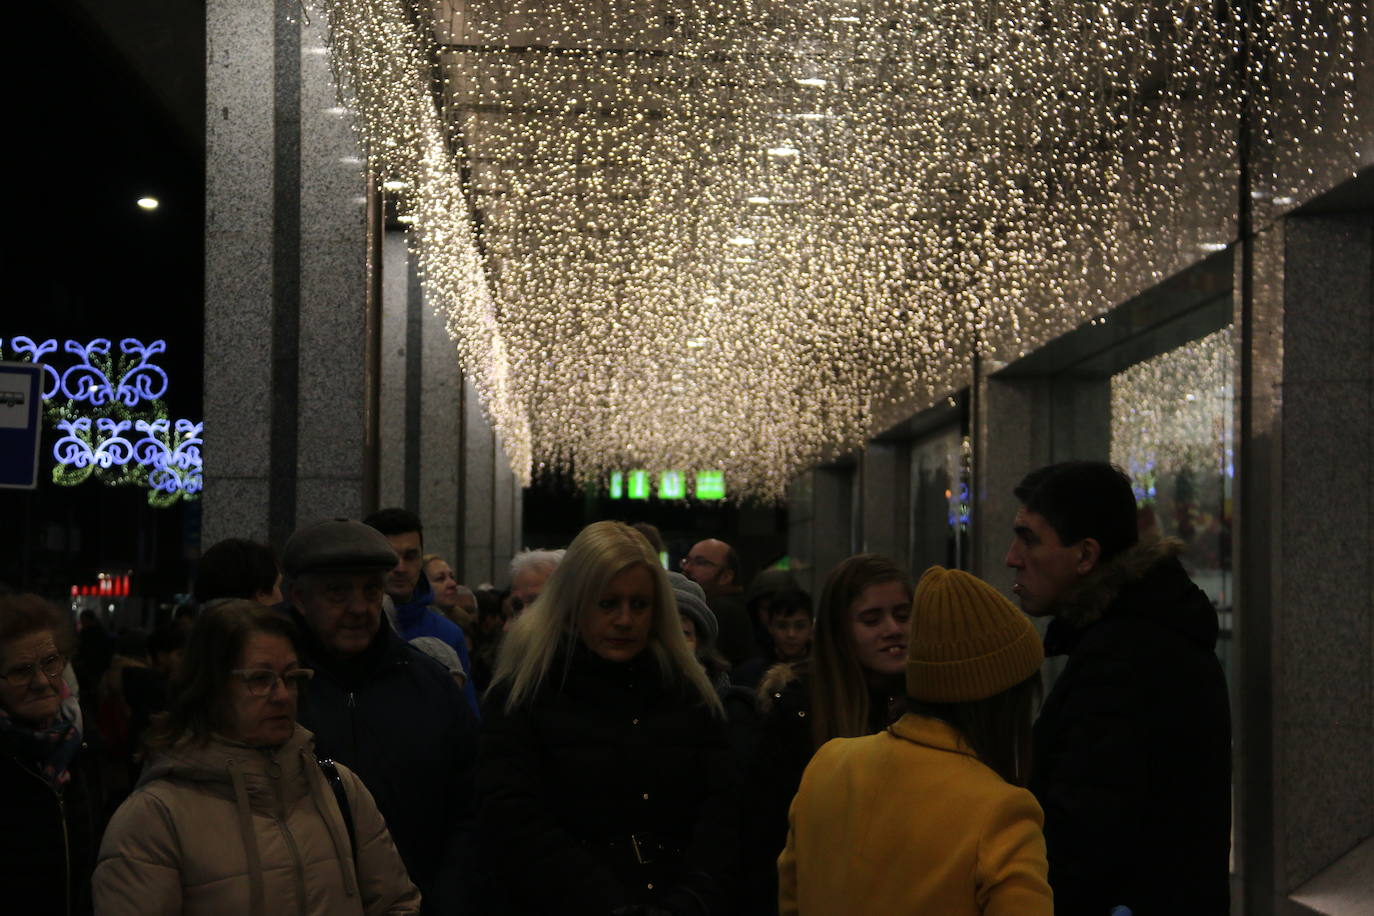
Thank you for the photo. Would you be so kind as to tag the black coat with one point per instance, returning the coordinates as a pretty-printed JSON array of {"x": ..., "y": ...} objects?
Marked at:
[
  {"x": 600, "y": 770},
  {"x": 48, "y": 840},
  {"x": 1132, "y": 749},
  {"x": 398, "y": 720}
]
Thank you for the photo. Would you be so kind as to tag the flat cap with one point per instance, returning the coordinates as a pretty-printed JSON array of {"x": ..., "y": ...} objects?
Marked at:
[{"x": 336, "y": 543}]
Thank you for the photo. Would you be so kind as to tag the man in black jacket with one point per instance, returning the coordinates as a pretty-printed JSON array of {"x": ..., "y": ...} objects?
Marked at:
[
  {"x": 1132, "y": 747},
  {"x": 382, "y": 707}
]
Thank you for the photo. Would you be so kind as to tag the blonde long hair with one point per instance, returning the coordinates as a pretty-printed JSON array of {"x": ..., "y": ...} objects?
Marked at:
[{"x": 597, "y": 555}]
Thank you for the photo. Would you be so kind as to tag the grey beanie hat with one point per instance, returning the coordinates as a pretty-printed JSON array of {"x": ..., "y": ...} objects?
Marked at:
[
  {"x": 441, "y": 652},
  {"x": 691, "y": 600},
  {"x": 336, "y": 543}
]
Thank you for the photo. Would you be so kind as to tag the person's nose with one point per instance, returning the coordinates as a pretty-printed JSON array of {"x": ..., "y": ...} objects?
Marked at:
[
  {"x": 1013, "y": 558},
  {"x": 357, "y": 601},
  {"x": 622, "y": 617}
]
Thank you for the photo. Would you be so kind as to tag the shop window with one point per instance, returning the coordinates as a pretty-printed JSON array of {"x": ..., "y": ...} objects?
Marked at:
[{"x": 1171, "y": 430}]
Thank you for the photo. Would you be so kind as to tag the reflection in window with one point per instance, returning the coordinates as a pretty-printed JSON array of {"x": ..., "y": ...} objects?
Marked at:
[
  {"x": 940, "y": 501},
  {"x": 1171, "y": 431}
]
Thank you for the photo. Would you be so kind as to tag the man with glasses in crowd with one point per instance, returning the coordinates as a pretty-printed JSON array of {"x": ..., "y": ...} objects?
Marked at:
[{"x": 714, "y": 565}]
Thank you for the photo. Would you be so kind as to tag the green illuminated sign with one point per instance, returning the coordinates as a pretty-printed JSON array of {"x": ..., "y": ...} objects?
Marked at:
[
  {"x": 617, "y": 485},
  {"x": 710, "y": 485},
  {"x": 639, "y": 485},
  {"x": 672, "y": 485}
]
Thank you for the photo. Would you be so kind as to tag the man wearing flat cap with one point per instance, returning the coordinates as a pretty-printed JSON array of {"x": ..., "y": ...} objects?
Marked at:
[{"x": 382, "y": 707}]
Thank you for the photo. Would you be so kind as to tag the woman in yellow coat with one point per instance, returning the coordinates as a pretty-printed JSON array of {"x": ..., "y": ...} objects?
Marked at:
[{"x": 931, "y": 816}]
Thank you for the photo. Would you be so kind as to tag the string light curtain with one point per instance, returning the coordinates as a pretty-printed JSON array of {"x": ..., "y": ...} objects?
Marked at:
[{"x": 746, "y": 235}]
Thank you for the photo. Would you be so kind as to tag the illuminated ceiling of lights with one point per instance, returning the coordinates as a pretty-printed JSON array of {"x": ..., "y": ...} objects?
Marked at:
[{"x": 746, "y": 235}]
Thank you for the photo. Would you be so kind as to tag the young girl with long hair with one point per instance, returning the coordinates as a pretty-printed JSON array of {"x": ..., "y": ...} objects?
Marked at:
[
  {"x": 851, "y": 685},
  {"x": 931, "y": 815}
]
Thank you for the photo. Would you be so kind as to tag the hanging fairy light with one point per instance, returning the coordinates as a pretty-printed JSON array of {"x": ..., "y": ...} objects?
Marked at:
[{"x": 917, "y": 182}]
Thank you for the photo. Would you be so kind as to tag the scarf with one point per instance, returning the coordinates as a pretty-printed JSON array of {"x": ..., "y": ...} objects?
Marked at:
[{"x": 47, "y": 750}]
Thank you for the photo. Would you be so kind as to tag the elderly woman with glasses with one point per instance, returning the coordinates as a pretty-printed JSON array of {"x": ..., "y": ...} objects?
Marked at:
[
  {"x": 234, "y": 813},
  {"x": 49, "y": 796}
]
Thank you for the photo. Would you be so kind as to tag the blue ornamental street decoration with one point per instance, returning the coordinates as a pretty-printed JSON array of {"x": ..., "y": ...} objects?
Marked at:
[{"x": 113, "y": 425}]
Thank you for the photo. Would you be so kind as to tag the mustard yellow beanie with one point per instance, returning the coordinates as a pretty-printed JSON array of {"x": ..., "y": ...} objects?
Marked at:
[{"x": 967, "y": 642}]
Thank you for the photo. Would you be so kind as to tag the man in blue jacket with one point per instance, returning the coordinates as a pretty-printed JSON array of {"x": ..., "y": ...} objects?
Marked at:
[
  {"x": 382, "y": 707},
  {"x": 1132, "y": 748},
  {"x": 410, "y": 592}
]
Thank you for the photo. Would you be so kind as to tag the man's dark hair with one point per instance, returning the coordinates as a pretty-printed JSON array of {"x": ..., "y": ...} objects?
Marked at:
[
  {"x": 787, "y": 602},
  {"x": 235, "y": 568},
  {"x": 652, "y": 535},
  {"x": 1084, "y": 499},
  {"x": 394, "y": 521}
]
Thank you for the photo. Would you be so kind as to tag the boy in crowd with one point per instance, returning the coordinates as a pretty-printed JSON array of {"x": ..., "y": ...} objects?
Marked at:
[{"x": 787, "y": 615}]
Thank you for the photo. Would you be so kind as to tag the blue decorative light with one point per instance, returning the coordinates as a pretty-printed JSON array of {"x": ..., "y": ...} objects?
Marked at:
[{"x": 167, "y": 456}]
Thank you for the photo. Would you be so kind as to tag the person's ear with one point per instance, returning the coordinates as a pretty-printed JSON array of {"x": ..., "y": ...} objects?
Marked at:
[
  {"x": 727, "y": 576},
  {"x": 1089, "y": 553}
]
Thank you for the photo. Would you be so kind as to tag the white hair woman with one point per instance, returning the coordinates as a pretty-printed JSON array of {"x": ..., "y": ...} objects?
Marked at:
[{"x": 605, "y": 776}]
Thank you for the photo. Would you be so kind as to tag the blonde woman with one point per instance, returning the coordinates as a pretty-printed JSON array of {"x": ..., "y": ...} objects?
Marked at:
[{"x": 605, "y": 776}]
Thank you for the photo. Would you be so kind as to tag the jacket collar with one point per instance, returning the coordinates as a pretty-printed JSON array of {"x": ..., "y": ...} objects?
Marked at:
[
  {"x": 1084, "y": 602},
  {"x": 1146, "y": 581},
  {"x": 931, "y": 733}
]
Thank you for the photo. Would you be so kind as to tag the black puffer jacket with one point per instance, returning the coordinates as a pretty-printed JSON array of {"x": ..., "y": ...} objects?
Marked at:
[
  {"x": 398, "y": 720},
  {"x": 48, "y": 840},
  {"x": 1133, "y": 745},
  {"x": 610, "y": 788}
]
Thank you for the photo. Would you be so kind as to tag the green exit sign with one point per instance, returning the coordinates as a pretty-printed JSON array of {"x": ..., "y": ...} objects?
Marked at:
[
  {"x": 672, "y": 485},
  {"x": 710, "y": 485}
]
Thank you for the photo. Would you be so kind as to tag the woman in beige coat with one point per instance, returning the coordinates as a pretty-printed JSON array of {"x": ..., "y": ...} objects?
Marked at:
[{"x": 234, "y": 814}]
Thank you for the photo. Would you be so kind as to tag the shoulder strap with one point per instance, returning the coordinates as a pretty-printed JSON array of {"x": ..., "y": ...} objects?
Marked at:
[{"x": 331, "y": 775}]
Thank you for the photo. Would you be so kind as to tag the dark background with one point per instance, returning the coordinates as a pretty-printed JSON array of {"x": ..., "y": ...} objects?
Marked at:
[{"x": 108, "y": 100}]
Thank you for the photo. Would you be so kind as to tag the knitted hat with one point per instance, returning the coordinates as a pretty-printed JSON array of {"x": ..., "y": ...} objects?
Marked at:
[
  {"x": 336, "y": 543},
  {"x": 691, "y": 602},
  {"x": 967, "y": 641}
]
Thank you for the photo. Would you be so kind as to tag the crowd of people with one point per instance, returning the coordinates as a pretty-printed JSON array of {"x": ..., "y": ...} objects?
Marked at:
[{"x": 345, "y": 728}]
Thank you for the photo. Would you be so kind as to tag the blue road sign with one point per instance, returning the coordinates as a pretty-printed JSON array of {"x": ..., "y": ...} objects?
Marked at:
[{"x": 21, "y": 414}]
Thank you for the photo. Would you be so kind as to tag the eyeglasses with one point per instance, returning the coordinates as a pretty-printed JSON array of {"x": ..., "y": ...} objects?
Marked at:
[
  {"x": 697, "y": 561},
  {"x": 260, "y": 682},
  {"x": 50, "y": 665}
]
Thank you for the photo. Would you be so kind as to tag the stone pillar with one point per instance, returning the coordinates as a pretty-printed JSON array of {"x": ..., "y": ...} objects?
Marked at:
[
  {"x": 1305, "y": 577},
  {"x": 439, "y": 457},
  {"x": 1011, "y": 435},
  {"x": 286, "y": 279},
  {"x": 820, "y": 523},
  {"x": 885, "y": 476}
]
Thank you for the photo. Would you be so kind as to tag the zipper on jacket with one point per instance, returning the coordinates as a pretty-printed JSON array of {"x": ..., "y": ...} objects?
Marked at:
[
  {"x": 296, "y": 858},
  {"x": 66, "y": 849},
  {"x": 66, "y": 838}
]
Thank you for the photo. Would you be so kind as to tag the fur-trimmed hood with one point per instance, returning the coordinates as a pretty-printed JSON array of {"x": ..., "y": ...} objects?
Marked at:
[{"x": 1146, "y": 580}]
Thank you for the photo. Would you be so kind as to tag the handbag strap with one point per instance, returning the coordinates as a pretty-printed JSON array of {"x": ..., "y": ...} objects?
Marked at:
[{"x": 331, "y": 775}]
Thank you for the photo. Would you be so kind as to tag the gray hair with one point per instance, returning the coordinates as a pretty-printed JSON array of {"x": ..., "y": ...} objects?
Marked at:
[
  {"x": 465, "y": 592},
  {"x": 535, "y": 561}
]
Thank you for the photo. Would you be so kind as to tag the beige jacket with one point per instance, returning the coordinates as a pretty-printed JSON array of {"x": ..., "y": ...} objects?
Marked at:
[{"x": 226, "y": 828}]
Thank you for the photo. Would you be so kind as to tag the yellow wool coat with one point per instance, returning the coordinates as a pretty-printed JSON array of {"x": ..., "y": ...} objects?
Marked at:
[{"x": 908, "y": 821}]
